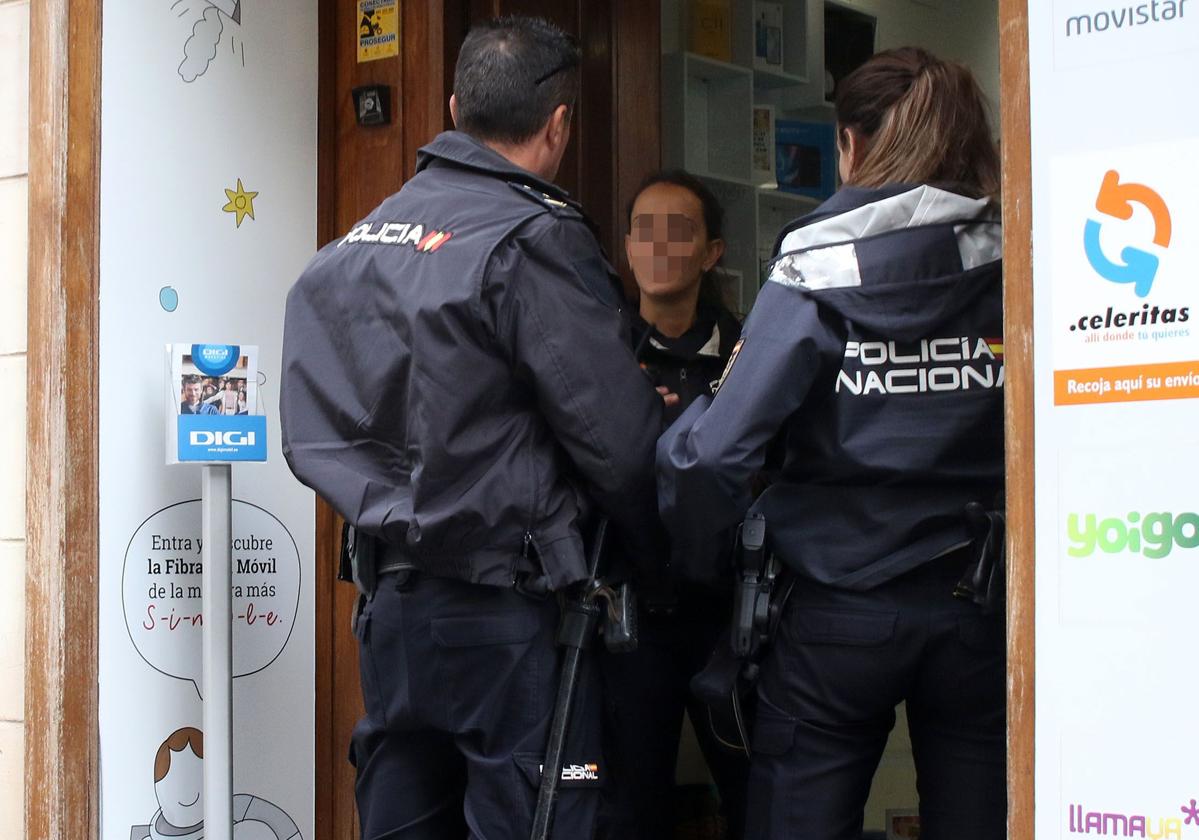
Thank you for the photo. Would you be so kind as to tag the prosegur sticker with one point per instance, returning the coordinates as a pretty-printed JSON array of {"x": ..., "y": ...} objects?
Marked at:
[{"x": 378, "y": 29}]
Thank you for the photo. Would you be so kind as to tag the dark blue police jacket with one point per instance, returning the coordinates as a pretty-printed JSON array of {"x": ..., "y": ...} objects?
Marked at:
[
  {"x": 456, "y": 379},
  {"x": 875, "y": 351}
]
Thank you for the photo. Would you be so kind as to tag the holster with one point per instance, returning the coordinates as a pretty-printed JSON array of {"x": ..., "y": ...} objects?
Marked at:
[
  {"x": 984, "y": 581},
  {"x": 357, "y": 565},
  {"x": 726, "y": 684},
  {"x": 757, "y": 573},
  {"x": 359, "y": 560}
]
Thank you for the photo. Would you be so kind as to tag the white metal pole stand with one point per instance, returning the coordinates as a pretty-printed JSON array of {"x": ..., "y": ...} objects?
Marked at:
[{"x": 216, "y": 585}]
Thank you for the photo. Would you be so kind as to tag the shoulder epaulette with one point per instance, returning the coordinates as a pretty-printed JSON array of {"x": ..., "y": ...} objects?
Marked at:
[{"x": 554, "y": 204}]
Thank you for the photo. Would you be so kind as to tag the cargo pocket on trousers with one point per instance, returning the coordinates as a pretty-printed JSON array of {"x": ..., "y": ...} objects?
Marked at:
[
  {"x": 984, "y": 633},
  {"x": 488, "y": 669},
  {"x": 482, "y": 630},
  {"x": 773, "y": 734},
  {"x": 367, "y": 671},
  {"x": 825, "y": 626}
]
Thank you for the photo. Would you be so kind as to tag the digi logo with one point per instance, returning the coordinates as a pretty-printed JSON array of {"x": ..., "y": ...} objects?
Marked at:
[
  {"x": 203, "y": 437},
  {"x": 1115, "y": 200}
]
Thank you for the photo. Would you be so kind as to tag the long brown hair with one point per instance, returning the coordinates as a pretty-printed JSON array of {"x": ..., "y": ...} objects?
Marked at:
[{"x": 921, "y": 120}]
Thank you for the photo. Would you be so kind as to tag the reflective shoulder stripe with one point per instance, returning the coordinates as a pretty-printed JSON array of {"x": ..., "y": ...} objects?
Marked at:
[
  {"x": 806, "y": 261},
  {"x": 979, "y": 244},
  {"x": 919, "y": 206},
  {"x": 833, "y": 267}
]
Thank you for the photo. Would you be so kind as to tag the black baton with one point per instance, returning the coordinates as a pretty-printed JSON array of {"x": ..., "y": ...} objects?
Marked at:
[{"x": 579, "y": 622}]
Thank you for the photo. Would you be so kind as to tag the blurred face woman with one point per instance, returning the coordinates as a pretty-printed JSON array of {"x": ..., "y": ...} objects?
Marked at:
[{"x": 672, "y": 248}]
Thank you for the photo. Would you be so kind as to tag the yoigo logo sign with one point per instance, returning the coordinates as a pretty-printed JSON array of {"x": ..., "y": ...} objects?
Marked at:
[
  {"x": 1153, "y": 535},
  {"x": 1136, "y": 266}
]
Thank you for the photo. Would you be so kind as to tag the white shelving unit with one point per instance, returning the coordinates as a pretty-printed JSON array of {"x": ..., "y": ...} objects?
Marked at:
[
  {"x": 714, "y": 96},
  {"x": 796, "y": 50},
  {"x": 707, "y": 119}
]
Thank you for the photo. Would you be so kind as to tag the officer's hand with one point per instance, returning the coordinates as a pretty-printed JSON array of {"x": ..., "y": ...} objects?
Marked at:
[{"x": 668, "y": 396}]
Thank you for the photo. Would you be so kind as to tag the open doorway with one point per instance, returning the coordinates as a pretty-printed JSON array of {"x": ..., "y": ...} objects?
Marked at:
[{"x": 713, "y": 87}]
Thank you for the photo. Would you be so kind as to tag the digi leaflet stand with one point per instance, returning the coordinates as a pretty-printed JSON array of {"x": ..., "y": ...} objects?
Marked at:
[{"x": 211, "y": 420}]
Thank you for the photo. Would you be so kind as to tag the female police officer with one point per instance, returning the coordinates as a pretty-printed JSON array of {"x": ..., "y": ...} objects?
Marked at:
[{"x": 874, "y": 351}]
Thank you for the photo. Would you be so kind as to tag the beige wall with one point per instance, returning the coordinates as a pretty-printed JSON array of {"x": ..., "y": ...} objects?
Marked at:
[{"x": 14, "y": 190}]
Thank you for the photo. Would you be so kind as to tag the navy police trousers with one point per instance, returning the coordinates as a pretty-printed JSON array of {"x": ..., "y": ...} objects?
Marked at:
[
  {"x": 645, "y": 694},
  {"x": 458, "y": 682},
  {"x": 839, "y": 665}
]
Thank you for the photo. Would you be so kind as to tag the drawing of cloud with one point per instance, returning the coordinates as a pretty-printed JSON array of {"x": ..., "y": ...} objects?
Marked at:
[{"x": 200, "y": 48}]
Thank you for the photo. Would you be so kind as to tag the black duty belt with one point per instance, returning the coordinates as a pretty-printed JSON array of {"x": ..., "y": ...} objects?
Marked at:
[
  {"x": 394, "y": 559},
  {"x": 365, "y": 559}
]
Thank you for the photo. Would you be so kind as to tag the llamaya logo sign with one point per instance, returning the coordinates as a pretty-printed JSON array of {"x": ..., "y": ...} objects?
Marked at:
[
  {"x": 1118, "y": 824},
  {"x": 1154, "y": 535}
]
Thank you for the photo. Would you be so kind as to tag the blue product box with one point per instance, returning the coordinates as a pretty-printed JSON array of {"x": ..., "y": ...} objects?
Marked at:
[{"x": 806, "y": 157}]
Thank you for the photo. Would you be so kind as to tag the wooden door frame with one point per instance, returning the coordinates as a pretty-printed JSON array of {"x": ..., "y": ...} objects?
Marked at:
[
  {"x": 62, "y": 493},
  {"x": 62, "y": 461},
  {"x": 1016, "y": 150}
]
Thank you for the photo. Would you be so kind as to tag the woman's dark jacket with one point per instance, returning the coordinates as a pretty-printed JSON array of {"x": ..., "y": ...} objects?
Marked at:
[{"x": 689, "y": 366}]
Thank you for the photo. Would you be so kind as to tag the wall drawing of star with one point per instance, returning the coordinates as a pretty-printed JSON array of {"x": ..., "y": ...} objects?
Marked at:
[{"x": 240, "y": 202}]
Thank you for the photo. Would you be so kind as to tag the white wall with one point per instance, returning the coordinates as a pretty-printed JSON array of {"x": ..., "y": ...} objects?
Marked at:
[
  {"x": 14, "y": 190},
  {"x": 962, "y": 30}
]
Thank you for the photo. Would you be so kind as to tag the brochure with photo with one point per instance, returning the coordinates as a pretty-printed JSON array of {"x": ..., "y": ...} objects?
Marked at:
[{"x": 212, "y": 404}]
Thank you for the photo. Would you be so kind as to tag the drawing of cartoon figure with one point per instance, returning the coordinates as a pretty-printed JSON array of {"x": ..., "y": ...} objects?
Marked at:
[
  {"x": 179, "y": 787},
  {"x": 201, "y": 46},
  {"x": 368, "y": 26}
]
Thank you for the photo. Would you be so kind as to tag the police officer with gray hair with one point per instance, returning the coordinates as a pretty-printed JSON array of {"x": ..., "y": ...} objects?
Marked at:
[{"x": 457, "y": 385}]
